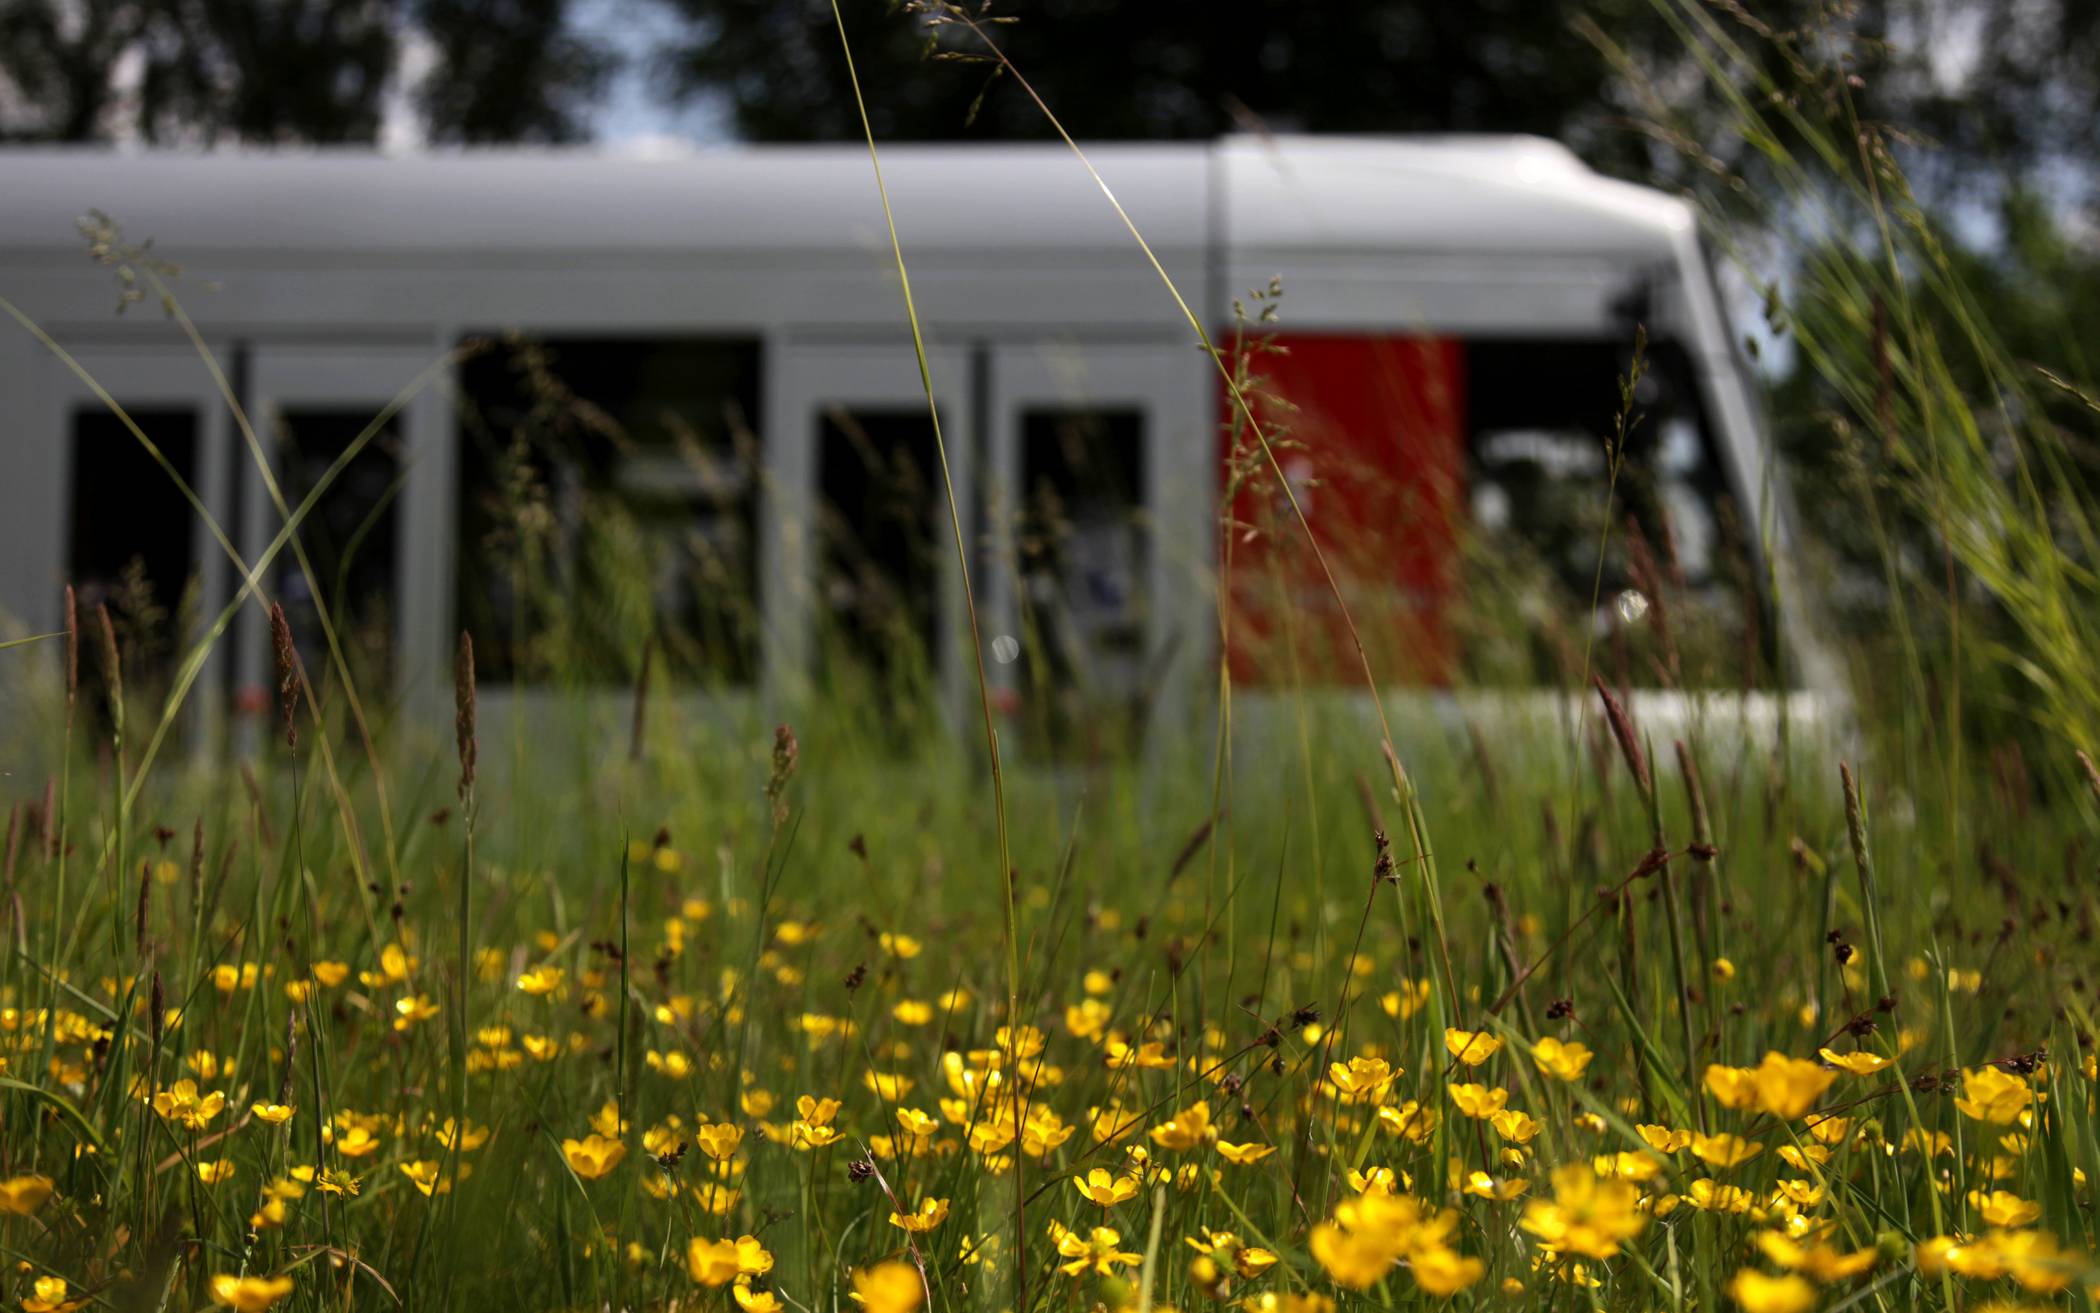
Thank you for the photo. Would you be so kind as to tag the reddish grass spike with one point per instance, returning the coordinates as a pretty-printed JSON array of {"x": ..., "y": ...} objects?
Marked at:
[
  {"x": 72, "y": 648},
  {"x": 112, "y": 666},
  {"x": 463, "y": 706},
  {"x": 1622, "y": 730},
  {"x": 287, "y": 673}
]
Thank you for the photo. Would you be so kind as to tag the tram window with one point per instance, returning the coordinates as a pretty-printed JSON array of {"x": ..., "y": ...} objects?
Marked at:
[
  {"x": 131, "y": 535},
  {"x": 348, "y": 536},
  {"x": 608, "y": 494},
  {"x": 1081, "y": 550},
  {"x": 878, "y": 590},
  {"x": 1676, "y": 600}
]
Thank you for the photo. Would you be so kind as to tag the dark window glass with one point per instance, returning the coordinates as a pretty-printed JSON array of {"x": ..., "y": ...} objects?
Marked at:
[
  {"x": 1676, "y": 602},
  {"x": 879, "y": 562},
  {"x": 1081, "y": 551},
  {"x": 349, "y": 537},
  {"x": 131, "y": 535},
  {"x": 607, "y": 497}
]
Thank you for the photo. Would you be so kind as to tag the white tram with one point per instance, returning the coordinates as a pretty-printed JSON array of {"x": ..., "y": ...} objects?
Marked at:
[{"x": 1454, "y": 309}]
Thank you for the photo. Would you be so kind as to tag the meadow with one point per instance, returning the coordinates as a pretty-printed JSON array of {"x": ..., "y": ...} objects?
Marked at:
[{"x": 1312, "y": 1005}]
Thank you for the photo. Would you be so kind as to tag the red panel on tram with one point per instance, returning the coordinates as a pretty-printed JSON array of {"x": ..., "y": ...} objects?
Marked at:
[{"x": 1370, "y": 432}]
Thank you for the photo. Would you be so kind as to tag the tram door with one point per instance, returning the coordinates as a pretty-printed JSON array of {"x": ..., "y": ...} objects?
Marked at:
[
  {"x": 328, "y": 422},
  {"x": 110, "y": 518},
  {"x": 862, "y": 588},
  {"x": 1096, "y": 476}
]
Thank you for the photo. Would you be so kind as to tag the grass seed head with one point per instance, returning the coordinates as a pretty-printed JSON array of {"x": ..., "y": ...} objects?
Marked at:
[
  {"x": 463, "y": 704},
  {"x": 287, "y": 673}
]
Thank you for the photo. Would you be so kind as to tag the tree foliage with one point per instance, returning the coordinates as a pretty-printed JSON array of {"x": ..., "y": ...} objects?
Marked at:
[{"x": 283, "y": 71}]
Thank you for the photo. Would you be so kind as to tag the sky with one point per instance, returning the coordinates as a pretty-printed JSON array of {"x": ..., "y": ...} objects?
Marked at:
[{"x": 636, "y": 115}]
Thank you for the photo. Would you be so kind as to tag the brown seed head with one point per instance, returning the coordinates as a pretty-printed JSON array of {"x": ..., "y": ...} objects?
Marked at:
[
  {"x": 463, "y": 712},
  {"x": 287, "y": 673},
  {"x": 145, "y": 908},
  {"x": 72, "y": 647},
  {"x": 112, "y": 667},
  {"x": 786, "y": 753},
  {"x": 1622, "y": 730}
]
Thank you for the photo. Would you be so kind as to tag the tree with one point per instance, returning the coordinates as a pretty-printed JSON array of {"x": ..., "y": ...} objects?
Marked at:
[
  {"x": 1170, "y": 68},
  {"x": 282, "y": 71},
  {"x": 267, "y": 70},
  {"x": 508, "y": 70},
  {"x": 55, "y": 64},
  {"x": 2009, "y": 84}
]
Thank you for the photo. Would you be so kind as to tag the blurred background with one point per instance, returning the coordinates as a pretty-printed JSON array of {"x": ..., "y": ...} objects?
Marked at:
[{"x": 1991, "y": 107}]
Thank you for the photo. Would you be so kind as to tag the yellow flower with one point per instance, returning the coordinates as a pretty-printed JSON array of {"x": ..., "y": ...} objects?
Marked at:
[
  {"x": 1186, "y": 1129},
  {"x": 712, "y": 1263},
  {"x": 412, "y": 1008},
  {"x": 541, "y": 981},
  {"x": 1758, "y": 1293},
  {"x": 673, "y": 1064},
  {"x": 752, "y": 1258},
  {"x": 1368, "y": 1235},
  {"x": 276, "y": 1114},
  {"x": 423, "y": 1174},
  {"x": 761, "y": 1301},
  {"x": 1487, "y": 1187},
  {"x": 249, "y": 1294},
  {"x": 1099, "y": 1250},
  {"x": 1587, "y": 1215},
  {"x": 1104, "y": 1188},
  {"x": 1561, "y": 1061},
  {"x": 1407, "y": 1000},
  {"x": 1859, "y": 1062},
  {"x": 814, "y": 1111},
  {"x": 1416, "y": 1121},
  {"x": 1788, "y": 1087},
  {"x": 1664, "y": 1140},
  {"x": 900, "y": 946},
  {"x": 49, "y": 1296},
  {"x": 930, "y": 1213},
  {"x": 1252, "y": 1260},
  {"x": 1442, "y": 1271},
  {"x": 889, "y": 1086},
  {"x": 593, "y": 1156},
  {"x": 1087, "y": 1018},
  {"x": 1243, "y": 1154},
  {"x": 475, "y": 1137},
  {"x": 1471, "y": 1047},
  {"x": 1152, "y": 1053},
  {"x": 180, "y": 1103},
  {"x": 1822, "y": 1262},
  {"x": 1361, "y": 1078},
  {"x": 1709, "y": 1196},
  {"x": 892, "y": 1287},
  {"x": 1723, "y": 969},
  {"x": 356, "y": 1142},
  {"x": 1515, "y": 1125},
  {"x": 335, "y": 1181},
  {"x": 24, "y": 1194},
  {"x": 1478, "y": 1101},
  {"x": 2003, "y": 1209},
  {"x": 1627, "y": 1166},
  {"x": 719, "y": 1140},
  {"x": 1725, "y": 1149},
  {"x": 1732, "y": 1087},
  {"x": 215, "y": 1173},
  {"x": 1991, "y": 1095}
]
